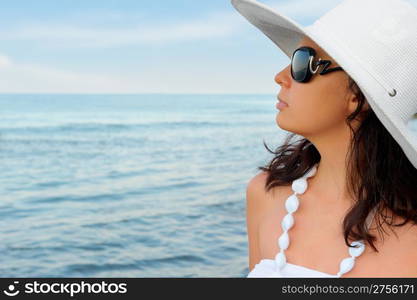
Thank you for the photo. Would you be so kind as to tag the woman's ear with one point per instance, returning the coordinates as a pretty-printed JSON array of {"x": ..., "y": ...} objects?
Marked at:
[
  {"x": 353, "y": 103},
  {"x": 366, "y": 106},
  {"x": 353, "y": 91}
]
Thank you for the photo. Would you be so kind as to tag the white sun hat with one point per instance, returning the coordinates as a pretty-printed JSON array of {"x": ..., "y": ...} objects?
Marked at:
[{"x": 374, "y": 41}]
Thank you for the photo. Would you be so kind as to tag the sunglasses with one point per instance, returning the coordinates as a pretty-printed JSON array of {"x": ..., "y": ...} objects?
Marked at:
[{"x": 303, "y": 66}]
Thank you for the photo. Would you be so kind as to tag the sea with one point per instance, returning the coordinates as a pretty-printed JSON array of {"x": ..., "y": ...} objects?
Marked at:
[{"x": 149, "y": 185}]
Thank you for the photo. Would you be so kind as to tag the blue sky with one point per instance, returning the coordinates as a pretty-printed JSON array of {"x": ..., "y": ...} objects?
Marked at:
[{"x": 126, "y": 46}]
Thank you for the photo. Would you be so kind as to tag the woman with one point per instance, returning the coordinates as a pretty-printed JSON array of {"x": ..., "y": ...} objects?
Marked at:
[{"x": 326, "y": 205}]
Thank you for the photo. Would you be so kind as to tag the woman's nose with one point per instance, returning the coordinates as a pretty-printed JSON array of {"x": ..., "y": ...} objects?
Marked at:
[{"x": 283, "y": 77}]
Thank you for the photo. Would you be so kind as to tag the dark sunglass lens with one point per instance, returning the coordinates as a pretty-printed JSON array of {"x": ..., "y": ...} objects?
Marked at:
[{"x": 299, "y": 64}]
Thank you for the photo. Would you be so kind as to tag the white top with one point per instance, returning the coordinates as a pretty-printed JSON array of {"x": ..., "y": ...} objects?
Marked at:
[
  {"x": 266, "y": 268},
  {"x": 279, "y": 267}
]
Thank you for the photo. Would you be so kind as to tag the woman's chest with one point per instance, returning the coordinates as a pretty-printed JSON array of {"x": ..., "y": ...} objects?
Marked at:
[{"x": 317, "y": 242}]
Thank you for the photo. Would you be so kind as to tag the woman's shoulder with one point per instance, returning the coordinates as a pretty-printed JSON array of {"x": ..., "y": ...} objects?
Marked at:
[
  {"x": 256, "y": 193},
  {"x": 397, "y": 247},
  {"x": 257, "y": 182},
  {"x": 258, "y": 197},
  {"x": 256, "y": 187}
]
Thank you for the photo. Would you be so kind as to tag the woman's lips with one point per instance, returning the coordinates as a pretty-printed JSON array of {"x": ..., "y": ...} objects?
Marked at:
[{"x": 281, "y": 104}]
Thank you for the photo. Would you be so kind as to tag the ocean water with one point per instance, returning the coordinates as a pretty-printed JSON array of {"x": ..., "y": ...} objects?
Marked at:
[{"x": 129, "y": 185}]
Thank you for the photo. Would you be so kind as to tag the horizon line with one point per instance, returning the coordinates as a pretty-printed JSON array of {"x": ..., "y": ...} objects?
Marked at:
[{"x": 53, "y": 93}]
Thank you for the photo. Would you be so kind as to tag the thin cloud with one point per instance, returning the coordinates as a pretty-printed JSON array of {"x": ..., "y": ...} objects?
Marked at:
[
  {"x": 31, "y": 78},
  {"x": 35, "y": 78},
  {"x": 213, "y": 26},
  {"x": 5, "y": 61}
]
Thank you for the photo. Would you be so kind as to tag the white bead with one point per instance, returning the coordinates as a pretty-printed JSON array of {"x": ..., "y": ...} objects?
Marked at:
[
  {"x": 357, "y": 251},
  {"x": 283, "y": 241},
  {"x": 346, "y": 264},
  {"x": 280, "y": 260},
  {"x": 287, "y": 222},
  {"x": 291, "y": 204},
  {"x": 299, "y": 185}
]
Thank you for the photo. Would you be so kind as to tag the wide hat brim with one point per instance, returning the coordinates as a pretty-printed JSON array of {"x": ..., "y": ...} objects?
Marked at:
[{"x": 287, "y": 33}]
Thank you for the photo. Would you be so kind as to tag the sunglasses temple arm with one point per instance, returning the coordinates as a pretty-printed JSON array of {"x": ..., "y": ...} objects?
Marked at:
[
  {"x": 325, "y": 71},
  {"x": 326, "y": 64}
]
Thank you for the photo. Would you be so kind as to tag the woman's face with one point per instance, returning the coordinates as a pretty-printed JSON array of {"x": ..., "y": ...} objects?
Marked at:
[{"x": 318, "y": 106}]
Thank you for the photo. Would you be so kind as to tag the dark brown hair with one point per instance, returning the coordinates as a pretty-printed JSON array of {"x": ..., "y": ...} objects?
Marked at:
[{"x": 379, "y": 175}]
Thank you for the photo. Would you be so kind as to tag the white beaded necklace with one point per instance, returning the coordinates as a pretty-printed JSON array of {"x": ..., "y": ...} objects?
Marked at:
[{"x": 299, "y": 186}]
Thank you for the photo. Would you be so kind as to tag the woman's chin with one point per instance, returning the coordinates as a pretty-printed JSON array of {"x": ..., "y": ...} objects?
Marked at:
[
  {"x": 285, "y": 124},
  {"x": 281, "y": 122},
  {"x": 290, "y": 127}
]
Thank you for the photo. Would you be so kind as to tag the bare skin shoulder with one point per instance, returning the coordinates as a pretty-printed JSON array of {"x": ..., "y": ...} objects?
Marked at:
[{"x": 258, "y": 205}]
